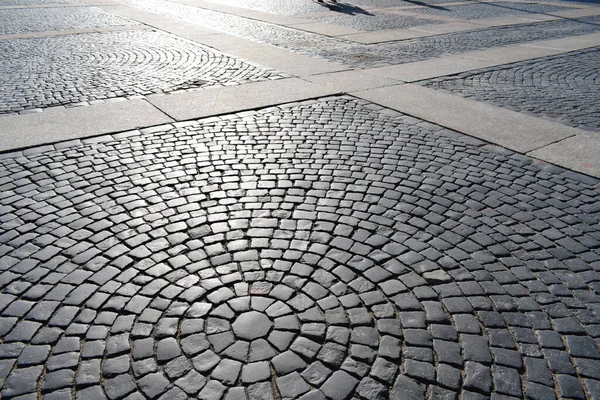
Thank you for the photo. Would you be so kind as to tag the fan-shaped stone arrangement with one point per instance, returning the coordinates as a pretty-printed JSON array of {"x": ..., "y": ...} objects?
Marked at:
[
  {"x": 328, "y": 249},
  {"x": 45, "y": 72},
  {"x": 563, "y": 87}
]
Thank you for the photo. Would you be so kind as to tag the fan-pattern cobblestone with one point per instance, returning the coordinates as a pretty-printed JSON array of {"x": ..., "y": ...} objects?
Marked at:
[
  {"x": 326, "y": 249},
  {"x": 564, "y": 87}
]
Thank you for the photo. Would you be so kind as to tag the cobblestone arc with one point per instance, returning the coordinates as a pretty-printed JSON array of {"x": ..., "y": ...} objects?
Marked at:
[
  {"x": 380, "y": 256},
  {"x": 44, "y": 72},
  {"x": 355, "y": 54},
  {"x": 489, "y": 10},
  {"x": 58, "y": 19},
  {"x": 564, "y": 87}
]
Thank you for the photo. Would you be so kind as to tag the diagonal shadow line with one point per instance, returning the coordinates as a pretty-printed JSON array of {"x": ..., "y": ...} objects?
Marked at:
[
  {"x": 344, "y": 8},
  {"x": 506, "y": 7}
]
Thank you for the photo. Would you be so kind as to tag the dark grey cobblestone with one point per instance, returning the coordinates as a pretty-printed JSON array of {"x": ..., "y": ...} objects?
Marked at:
[
  {"x": 70, "y": 70},
  {"x": 564, "y": 87},
  {"x": 324, "y": 249},
  {"x": 57, "y": 19},
  {"x": 360, "y": 55}
]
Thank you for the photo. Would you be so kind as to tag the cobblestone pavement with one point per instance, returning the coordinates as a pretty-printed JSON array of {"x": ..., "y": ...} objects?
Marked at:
[
  {"x": 325, "y": 249},
  {"x": 293, "y": 7},
  {"x": 365, "y": 56},
  {"x": 375, "y": 21},
  {"x": 37, "y": 2},
  {"x": 44, "y": 72},
  {"x": 57, "y": 19},
  {"x": 461, "y": 42},
  {"x": 489, "y": 10},
  {"x": 379, "y": 21},
  {"x": 564, "y": 87}
]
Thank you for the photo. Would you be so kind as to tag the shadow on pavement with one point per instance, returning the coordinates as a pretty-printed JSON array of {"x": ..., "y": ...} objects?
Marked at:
[{"x": 344, "y": 8}]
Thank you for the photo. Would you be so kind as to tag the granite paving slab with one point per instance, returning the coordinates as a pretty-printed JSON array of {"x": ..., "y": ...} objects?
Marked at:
[
  {"x": 323, "y": 249},
  {"x": 66, "y": 70},
  {"x": 564, "y": 87}
]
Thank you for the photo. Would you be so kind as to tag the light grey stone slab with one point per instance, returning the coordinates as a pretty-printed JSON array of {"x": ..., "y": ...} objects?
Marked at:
[
  {"x": 505, "y": 55},
  {"x": 416, "y": 71},
  {"x": 514, "y": 20},
  {"x": 439, "y": 29},
  {"x": 272, "y": 57},
  {"x": 580, "y": 153},
  {"x": 422, "y": 16},
  {"x": 569, "y": 43},
  {"x": 390, "y": 35},
  {"x": 58, "y": 124},
  {"x": 518, "y": 132},
  {"x": 325, "y": 29},
  {"x": 347, "y": 81},
  {"x": 203, "y": 103},
  {"x": 588, "y": 12}
]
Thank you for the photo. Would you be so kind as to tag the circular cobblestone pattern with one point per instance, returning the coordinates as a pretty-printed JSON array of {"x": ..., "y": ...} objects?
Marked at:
[
  {"x": 44, "y": 72},
  {"x": 564, "y": 87},
  {"x": 329, "y": 249},
  {"x": 57, "y": 19}
]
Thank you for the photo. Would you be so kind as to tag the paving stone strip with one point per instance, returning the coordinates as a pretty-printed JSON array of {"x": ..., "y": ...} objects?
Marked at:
[
  {"x": 564, "y": 87},
  {"x": 45, "y": 72},
  {"x": 329, "y": 249}
]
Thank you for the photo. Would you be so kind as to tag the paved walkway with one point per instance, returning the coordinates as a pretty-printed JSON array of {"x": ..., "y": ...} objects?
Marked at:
[{"x": 286, "y": 200}]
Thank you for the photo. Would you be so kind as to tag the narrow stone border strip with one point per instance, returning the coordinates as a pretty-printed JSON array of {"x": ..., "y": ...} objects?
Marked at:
[
  {"x": 579, "y": 153},
  {"x": 183, "y": 106},
  {"x": 522, "y": 133},
  {"x": 569, "y": 43},
  {"x": 58, "y": 124}
]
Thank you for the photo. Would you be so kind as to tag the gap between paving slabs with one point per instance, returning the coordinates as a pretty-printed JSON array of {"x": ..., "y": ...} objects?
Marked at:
[{"x": 544, "y": 154}]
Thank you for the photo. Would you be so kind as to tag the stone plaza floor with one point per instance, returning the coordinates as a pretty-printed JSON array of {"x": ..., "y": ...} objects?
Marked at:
[{"x": 219, "y": 199}]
